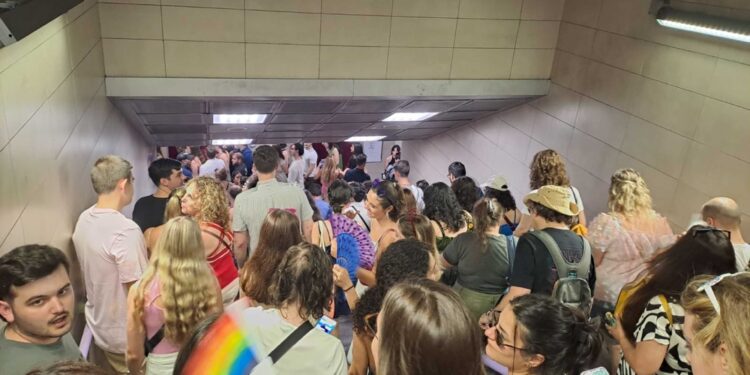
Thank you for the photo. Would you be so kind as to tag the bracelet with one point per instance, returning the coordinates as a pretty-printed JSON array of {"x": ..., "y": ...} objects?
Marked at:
[{"x": 349, "y": 288}]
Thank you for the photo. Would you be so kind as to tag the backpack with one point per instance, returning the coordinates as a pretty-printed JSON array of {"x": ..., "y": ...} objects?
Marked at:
[{"x": 572, "y": 287}]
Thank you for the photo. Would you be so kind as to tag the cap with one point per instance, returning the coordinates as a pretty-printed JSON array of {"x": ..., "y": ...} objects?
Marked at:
[
  {"x": 556, "y": 198},
  {"x": 497, "y": 183}
]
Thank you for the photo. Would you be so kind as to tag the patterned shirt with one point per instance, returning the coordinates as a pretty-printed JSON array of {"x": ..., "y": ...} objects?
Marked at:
[{"x": 654, "y": 325}]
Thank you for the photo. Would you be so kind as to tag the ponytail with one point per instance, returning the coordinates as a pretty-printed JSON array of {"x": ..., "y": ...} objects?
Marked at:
[
  {"x": 487, "y": 212},
  {"x": 587, "y": 344}
]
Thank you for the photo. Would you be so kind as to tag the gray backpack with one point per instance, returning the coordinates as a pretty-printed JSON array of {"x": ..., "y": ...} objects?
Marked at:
[{"x": 572, "y": 287}]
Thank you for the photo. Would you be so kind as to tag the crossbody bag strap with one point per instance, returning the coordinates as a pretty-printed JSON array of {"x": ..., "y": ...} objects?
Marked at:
[
  {"x": 150, "y": 344},
  {"x": 289, "y": 341}
]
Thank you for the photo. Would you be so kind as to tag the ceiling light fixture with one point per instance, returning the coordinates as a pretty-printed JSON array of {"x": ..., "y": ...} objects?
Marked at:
[
  {"x": 251, "y": 118},
  {"x": 365, "y": 138},
  {"x": 409, "y": 116},
  {"x": 704, "y": 24},
  {"x": 225, "y": 142}
]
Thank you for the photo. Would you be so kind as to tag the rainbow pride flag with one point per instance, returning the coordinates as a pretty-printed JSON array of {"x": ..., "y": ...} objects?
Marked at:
[{"x": 226, "y": 350}]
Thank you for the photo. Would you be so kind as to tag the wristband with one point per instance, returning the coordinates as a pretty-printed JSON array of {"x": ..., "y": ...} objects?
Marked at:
[{"x": 349, "y": 288}]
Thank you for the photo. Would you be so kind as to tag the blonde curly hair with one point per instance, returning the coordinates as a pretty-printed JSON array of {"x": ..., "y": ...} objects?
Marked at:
[
  {"x": 189, "y": 290},
  {"x": 547, "y": 168},
  {"x": 628, "y": 193},
  {"x": 212, "y": 200}
]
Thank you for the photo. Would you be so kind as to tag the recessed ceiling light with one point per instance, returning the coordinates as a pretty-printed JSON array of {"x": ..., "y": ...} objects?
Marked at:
[
  {"x": 409, "y": 116},
  {"x": 365, "y": 138},
  {"x": 250, "y": 118},
  {"x": 224, "y": 142}
]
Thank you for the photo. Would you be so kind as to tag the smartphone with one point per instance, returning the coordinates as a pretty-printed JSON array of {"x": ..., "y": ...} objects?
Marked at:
[
  {"x": 326, "y": 324},
  {"x": 610, "y": 320}
]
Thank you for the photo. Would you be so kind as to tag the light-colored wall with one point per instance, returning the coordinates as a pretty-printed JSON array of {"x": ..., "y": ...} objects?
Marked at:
[
  {"x": 626, "y": 93},
  {"x": 55, "y": 120},
  {"x": 353, "y": 39}
]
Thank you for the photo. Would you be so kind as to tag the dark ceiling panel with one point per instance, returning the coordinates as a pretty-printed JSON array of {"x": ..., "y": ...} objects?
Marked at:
[
  {"x": 343, "y": 126},
  {"x": 450, "y": 116},
  {"x": 178, "y": 129},
  {"x": 268, "y": 134},
  {"x": 440, "y": 124},
  {"x": 333, "y": 133},
  {"x": 419, "y": 133},
  {"x": 169, "y": 106},
  {"x": 488, "y": 105},
  {"x": 290, "y": 127},
  {"x": 173, "y": 119},
  {"x": 358, "y": 117},
  {"x": 299, "y": 119}
]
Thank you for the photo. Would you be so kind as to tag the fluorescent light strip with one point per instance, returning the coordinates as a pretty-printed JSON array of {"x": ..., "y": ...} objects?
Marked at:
[
  {"x": 365, "y": 138},
  {"x": 409, "y": 116},
  {"x": 250, "y": 118},
  {"x": 226, "y": 142},
  {"x": 705, "y": 30}
]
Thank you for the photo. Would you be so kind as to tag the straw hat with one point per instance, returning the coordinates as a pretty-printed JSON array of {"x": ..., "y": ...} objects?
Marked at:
[
  {"x": 556, "y": 198},
  {"x": 497, "y": 183}
]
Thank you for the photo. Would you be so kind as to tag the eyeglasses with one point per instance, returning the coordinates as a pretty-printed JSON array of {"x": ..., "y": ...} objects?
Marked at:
[
  {"x": 696, "y": 231},
  {"x": 708, "y": 289},
  {"x": 492, "y": 318},
  {"x": 371, "y": 324}
]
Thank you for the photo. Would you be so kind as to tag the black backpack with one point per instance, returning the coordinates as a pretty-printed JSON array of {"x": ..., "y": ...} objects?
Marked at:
[{"x": 572, "y": 287}]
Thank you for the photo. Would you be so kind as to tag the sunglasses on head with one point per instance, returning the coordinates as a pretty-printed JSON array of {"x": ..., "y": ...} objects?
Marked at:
[
  {"x": 379, "y": 186},
  {"x": 697, "y": 231},
  {"x": 708, "y": 289}
]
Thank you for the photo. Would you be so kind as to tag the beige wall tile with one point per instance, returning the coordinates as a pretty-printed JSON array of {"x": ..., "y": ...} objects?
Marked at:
[
  {"x": 205, "y": 59},
  {"x": 552, "y": 132},
  {"x": 130, "y": 21},
  {"x": 622, "y": 52},
  {"x": 730, "y": 82},
  {"x": 422, "y": 32},
  {"x": 662, "y": 187},
  {"x": 203, "y": 24},
  {"x": 227, "y": 4},
  {"x": 263, "y": 27},
  {"x": 419, "y": 63},
  {"x": 3, "y": 126},
  {"x": 570, "y": 71},
  {"x": 281, "y": 61},
  {"x": 668, "y": 106},
  {"x": 532, "y": 64},
  {"x": 685, "y": 202},
  {"x": 628, "y": 18},
  {"x": 362, "y": 7},
  {"x": 481, "y": 63},
  {"x": 14, "y": 239},
  {"x": 307, "y": 6},
  {"x": 593, "y": 155},
  {"x": 575, "y": 39},
  {"x": 486, "y": 33},
  {"x": 495, "y": 9},
  {"x": 560, "y": 103},
  {"x": 88, "y": 78},
  {"x": 602, "y": 121},
  {"x": 717, "y": 174},
  {"x": 353, "y": 62},
  {"x": 22, "y": 90},
  {"x": 514, "y": 142},
  {"x": 725, "y": 127},
  {"x": 56, "y": 63},
  {"x": 133, "y": 58},
  {"x": 365, "y": 31},
  {"x": 10, "y": 204},
  {"x": 542, "y": 9},
  {"x": 655, "y": 146},
  {"x": 143, "y": 2},
  {"x": 522, "y": 118},
  {"x": 613, "y": 86},
  {"x": 83, "y": 34},
  {"x": 537, "y": 34},
  {"x": 681, "y": 68},
  {"x": 582, "y": 12},
  {"x": 426, "y": 8}
]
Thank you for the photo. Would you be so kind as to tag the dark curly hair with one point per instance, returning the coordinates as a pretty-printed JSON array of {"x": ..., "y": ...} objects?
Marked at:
[
  {"x": 403, "y": 260},
  {"x": 505, "y": 198},
  {"x": 547, "y": 168},
  {"x": 304, "y": 276},
  {"x": 441, "y": 204},
  {"x": 339, "y": 194},
  {"x": 466, "y": 192}
]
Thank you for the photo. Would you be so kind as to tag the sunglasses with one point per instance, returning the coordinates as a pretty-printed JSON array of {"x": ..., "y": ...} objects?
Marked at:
[
  {"x": 697, "y": 231},
  {"x": 708, "y": 289}
]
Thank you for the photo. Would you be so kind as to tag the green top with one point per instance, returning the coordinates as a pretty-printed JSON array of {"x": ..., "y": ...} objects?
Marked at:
[{"x": 18, "y": 358}]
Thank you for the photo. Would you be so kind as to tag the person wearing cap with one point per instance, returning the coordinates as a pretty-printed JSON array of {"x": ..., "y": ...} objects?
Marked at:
[
  {"x": 551, "y": 211},
  {"x": 185, "y": 159},
  {"x": 513, "y": 219}
]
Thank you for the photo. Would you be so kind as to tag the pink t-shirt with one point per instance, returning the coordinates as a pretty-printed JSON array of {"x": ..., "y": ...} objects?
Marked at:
[
  {"x": 627, "y": 244},
  {"x": 112, "y": 252}
]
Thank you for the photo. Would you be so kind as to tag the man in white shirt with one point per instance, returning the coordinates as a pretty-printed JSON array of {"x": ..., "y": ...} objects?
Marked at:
[
  {"x": 401, "y": 173},
  {"x": 297, "y": 166},
  {"x": 724, "y": 213},
  {"x": 311, "y": 159},
  {"x": 213, "y": 164},
  {"x": 112, "y": 254}
]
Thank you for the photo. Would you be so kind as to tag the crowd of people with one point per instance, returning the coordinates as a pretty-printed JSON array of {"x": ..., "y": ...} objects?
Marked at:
[{"x": 445, "y": 278}]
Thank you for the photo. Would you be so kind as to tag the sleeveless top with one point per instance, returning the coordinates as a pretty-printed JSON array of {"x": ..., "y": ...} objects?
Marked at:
[
  {"x": 510, "y": 226},
  {"x": 221, "y": 258},
  {"x": 321, "y": 241},
  {"x": 153, "y": 318},
  {"x": 442, "y": 242}
]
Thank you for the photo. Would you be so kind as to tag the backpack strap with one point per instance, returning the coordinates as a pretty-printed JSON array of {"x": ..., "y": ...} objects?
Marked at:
[
  {"x": 289, "y": 341},
  {"x": 565, "y": 268},
  {"x": 361, "y": 218},
  {"x": 511, "y": 242},
  {"x": 667, "y": 308}
]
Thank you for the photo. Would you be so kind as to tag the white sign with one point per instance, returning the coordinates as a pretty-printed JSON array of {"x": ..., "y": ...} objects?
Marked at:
[{"x": 373, "y": 150}]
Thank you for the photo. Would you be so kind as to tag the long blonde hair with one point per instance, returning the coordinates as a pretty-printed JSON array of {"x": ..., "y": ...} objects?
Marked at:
[
  {"x": 174, "y": 204},
  {"x": 628, "y": 193},
  {"x": 189, "y": 289},
  {"x": 328, "y": 172},
  {"x": 731, "y": 327},
  {"x": 214, "y": 206}
]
